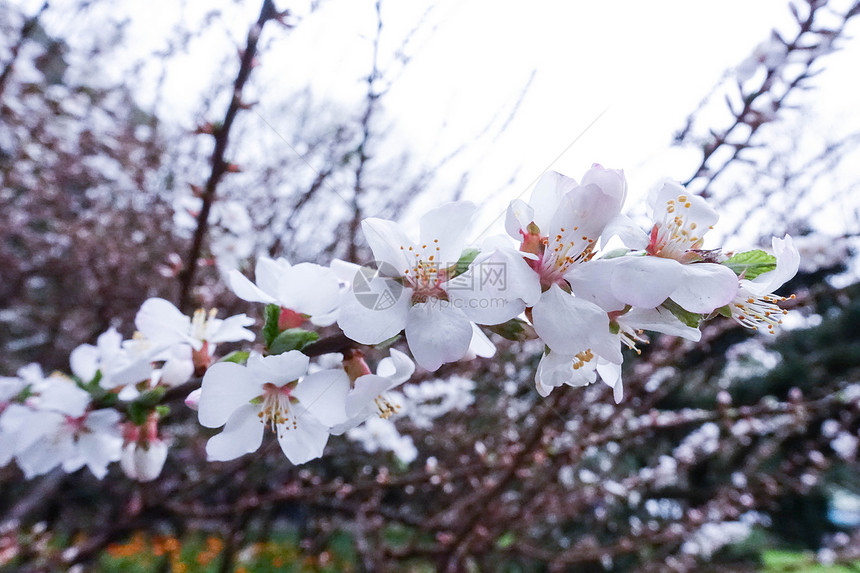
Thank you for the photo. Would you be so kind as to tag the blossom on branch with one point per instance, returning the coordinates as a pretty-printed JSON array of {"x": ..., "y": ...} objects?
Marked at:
[{"x": 271, "y": 391}]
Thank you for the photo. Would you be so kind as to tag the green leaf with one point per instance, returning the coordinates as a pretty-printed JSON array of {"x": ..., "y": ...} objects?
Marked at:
[
  {"x": 462, "y": 265},
  {"x": 751, "y": 264},
  {"x": 725, "y": 311},
  {"x": 688, "y": 318},
  {"x": 237, "y": 356},
  {"x": 137, "y": 413},
  {"x": 505, "y": 540},
  {"x": 292, "y": 339},
  {"x": 162, "y": 410},
  {"x": 514, "y": 329},
  {"x": 139, "y": 410},
  {"x": 270, "y": 329},
  {"x": 151, "y": 398}
]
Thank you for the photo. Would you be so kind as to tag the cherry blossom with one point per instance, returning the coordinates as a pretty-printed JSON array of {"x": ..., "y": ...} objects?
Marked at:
[
  {"x": 438, "y": 328},
  {"x": 670, "y": 262},
  {"x": 755, "y": 305},
  {"x": 117, "y": 365},
  {"x": 271, "y": 391},
  {"x": 185, "y": 344},
  {"x": 304, "y": 288}
]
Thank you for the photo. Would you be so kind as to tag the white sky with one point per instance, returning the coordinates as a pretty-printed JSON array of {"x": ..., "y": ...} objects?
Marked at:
[{"x": 646, "y": 64}]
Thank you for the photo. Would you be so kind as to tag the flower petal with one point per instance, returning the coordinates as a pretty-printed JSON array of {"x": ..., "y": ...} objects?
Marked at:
[
  {"x": 309, "y": 289},
  {"x": 518, "y": 217},
  {"x": 448, "y": 224},
  {"x": 547, "y": 196},
  {"x": 386, "y": 239},
  {"x": 280, "y": 368},
  {"x": 226, "y": 387},
  {"x": 371, "y": 324},
  {"x": 398, "y": 367},
  {"x": 645, "y": 282},
  {"x": 480, "y": 345},
  {"x": 163, "y": 323},
  {"x": 437, "y": 333},
  {"x": 84, "y": 361},
  {"x": 660, "y": 320},
  {"x": 705, "y": 287},
  {"x": 569, "y": 325},
  {"x": 787, "y": 263},
  {"x": 304, "y": 442},
  {"x": 323, "y": 395},
  {"x": 246, "y": 290},
  {"x": 242, "y": 435}
]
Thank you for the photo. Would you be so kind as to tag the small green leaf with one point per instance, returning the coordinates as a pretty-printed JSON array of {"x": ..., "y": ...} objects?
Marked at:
[
  {"x": 751, "y": 264},
  {"x": 162, "y": 410},
  {"x": 688, "y": 318},
  {"x": 270, "y": 329},
  {"x": 463, "y": 263},
  {"x": 237, "y": 356},
  {"x": 292, "y": 339},
  {"x": 151, "y": 398},
  {"x": 725, "y": 311},
  {"x": 148, "y": 401},
  {"x": 137, "y": 413},
  {"x": 514, "y": 329},
  {"x": 505, "y": 540}
]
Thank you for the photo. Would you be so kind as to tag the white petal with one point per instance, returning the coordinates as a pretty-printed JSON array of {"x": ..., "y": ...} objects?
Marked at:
[
  {"x": 698, "y": 212},
  {"x": 659, "y": 320},
  {"x": 627, "y": 230},
  {"x": 179, "y": 368},
  {"x": 323, "y": 395},
  {"x": 242, "y": 435},
  {"x": 645, "y": 282},
  {"x": 611, "y": 375},
  {"x": 226, "y": 387},
  {"x": 787, "y": 263},
  {"x": 567, "y": 324},
  {"x": 592, "y": 281},
  {"x": 62, "y": 395},
  {"x": 556, "y": 369},
  {"x": 362, "y": 322},
  {"x": 448, "y": 224},
  {"x": 280, "y": 368},
  {"x": 386, "y": 239},
  {"x": 705, "y": 287},
  {"x": 547, "y": 196},
  {"x": 306, "y": 441},
  {"x": 518, "y": 217},
  {"x": 496, "y": 287},
  {"x": 270, "y": 273},
  {"x": 309, "y": 289},
  {"x": 437, "y": 333},
  {"x": 84, "y": 361},
  {"x": 398, "y": 367},
  {"x": 583, "y": 212},
  {"x": 361, "y": 398},
  {"x": 480, "y": 345},
  {"x": 246, "y": 290},
  {"x": 163, "y": 323},
  {"x": 232, "y": 329},
  {"x": 610, "y": 181}
]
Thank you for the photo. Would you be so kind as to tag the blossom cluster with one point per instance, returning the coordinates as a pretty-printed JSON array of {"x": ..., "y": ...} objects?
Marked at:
[{"x": 572, "y": 272}]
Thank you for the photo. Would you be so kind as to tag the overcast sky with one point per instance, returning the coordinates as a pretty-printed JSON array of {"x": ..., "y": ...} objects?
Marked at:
[{"x": 635, "y": 69}]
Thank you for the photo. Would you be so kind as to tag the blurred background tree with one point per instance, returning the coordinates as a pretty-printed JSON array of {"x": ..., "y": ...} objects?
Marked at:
[{"x": 721, "y": 453}]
